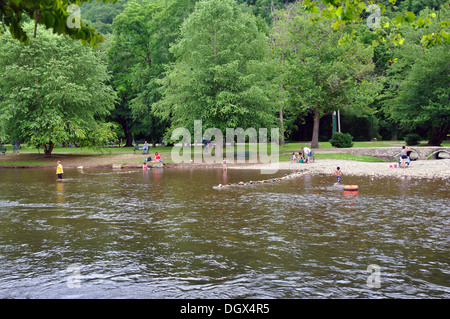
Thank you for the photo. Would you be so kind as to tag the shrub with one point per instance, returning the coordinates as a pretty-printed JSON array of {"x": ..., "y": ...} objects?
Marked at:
[
  {"x": 412, "y": 139},
  {"x": 341, "y": 140}
]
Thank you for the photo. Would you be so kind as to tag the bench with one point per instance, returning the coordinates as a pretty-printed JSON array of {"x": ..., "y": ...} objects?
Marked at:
[
  {"x": 245, "y": 154},
  {"x": 3, "y": 150},
  {"x": 137, "y": 148}
]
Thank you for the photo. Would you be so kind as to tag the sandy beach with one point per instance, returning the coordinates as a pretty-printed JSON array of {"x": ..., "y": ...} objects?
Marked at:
[{"x": 417, "y": 169}]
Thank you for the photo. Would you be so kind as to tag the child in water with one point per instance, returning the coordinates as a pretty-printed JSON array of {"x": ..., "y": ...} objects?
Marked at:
[
  {"x": 338, "y": 174},
  {"x": 293, "y": 158},
  {"x": 59, "y": 171}
]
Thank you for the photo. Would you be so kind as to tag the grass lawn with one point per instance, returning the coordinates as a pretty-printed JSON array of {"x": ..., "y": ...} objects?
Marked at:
[
  {"x": 349, "y": 157},
  {"x": 25, "y": 163}
]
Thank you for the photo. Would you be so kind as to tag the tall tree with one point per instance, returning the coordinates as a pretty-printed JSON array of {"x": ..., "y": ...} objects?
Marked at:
[
  {"x": 54, "y": 90},
  {"x": 423, "y": 95},
  {"x": 221, "y": 75},
  {"x": 143, "y": 33},
  {"x": 416, "y": 84},
  {"x": 324, "y": 74}
]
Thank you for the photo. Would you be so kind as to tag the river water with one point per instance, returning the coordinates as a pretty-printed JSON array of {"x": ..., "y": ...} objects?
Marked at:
[{"x": 168, "y": 233}]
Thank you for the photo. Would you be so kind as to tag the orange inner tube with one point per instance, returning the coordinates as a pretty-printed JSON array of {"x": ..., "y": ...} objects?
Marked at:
[{"x": 351, "y": 187}]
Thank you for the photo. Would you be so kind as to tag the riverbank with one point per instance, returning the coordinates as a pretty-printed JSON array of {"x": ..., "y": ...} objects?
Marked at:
[{"x": 417, "y": 169}]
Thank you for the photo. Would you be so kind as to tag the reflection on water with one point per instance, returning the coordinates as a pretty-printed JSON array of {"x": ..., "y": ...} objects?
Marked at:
[{"x": 167, "y": 233}]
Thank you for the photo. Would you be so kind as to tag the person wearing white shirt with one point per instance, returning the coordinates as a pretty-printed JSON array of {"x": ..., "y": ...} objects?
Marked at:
[{"x": 307, "y": 153}]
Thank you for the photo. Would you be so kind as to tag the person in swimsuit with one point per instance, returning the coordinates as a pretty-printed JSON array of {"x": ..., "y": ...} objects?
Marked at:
[{"x": 338, "y": 174}]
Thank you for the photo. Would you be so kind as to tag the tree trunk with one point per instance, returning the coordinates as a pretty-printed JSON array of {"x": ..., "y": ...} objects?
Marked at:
[
  {"x": 315, "y": 135},
  {"x": 394, "y": 130},
  {"x": 126, "y": 131},
  {"x": 281, "y": 142},
  {"x": 281, "y": 127},
  {"x": 438, "y": 134},
  {"x": 48, "y": 148},
  {"x": 129, "y": 139}
]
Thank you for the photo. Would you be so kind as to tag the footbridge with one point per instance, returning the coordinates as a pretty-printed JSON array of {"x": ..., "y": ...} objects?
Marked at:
[{"x": 392, "y": 153}]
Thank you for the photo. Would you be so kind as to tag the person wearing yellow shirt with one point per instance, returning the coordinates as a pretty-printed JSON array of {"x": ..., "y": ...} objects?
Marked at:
[{"x": 59, "y": 171}]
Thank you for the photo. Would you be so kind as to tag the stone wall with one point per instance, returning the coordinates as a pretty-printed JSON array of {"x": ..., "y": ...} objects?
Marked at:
[{"x": 392, "y": 153}]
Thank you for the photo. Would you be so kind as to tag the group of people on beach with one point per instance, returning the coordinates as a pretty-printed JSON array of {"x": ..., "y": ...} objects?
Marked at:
[
  {"x": 302, "y": 157},
  {"x": 157, "y": 158}
]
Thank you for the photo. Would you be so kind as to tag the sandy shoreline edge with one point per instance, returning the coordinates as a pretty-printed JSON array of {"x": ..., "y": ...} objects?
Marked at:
[{"x": 418, "y": 169}]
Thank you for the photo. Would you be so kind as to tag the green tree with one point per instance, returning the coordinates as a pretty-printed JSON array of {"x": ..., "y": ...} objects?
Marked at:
[
  {"x": 221, "y": 75},
  {"x": 100, "y": 15},
  {"x": 266, "y": 8},
  {"x": 54, "y": 90},
  {"x": 139, "y": 53},
  {"x": 55, "y": 15},
  {"x": 347, "y": 12},
  {"x": 323, "y": 76},
  {"x": 423, "y": 98},
  {"x": 403, "y": 101}
]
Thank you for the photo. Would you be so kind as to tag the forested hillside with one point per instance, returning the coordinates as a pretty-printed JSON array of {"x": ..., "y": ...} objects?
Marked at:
[{"x": 307, "y": 67}]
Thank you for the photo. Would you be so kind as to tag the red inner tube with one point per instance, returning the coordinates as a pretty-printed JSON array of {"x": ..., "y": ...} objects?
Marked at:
[{"x": 351, "y": 187}]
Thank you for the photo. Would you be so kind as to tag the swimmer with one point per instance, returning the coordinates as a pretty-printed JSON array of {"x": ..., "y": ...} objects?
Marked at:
[{"x": 338, "y": 174}]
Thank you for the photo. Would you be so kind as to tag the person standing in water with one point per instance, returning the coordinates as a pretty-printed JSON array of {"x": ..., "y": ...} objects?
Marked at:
[
  {"x": 338, "y": 174},
  {"x": 404, "y": 153},
  {"x": 59, "y": 171}
]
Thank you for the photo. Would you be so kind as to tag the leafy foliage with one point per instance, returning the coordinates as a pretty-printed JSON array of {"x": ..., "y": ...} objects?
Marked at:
[
  {"x": 139, "y": 53},
  {"x": 412, "y": 139},
  {"x": 221, "y": 75},
  {"x": 51, "y": 14},
  {"x": 341, "y": 140},
  {"x": 322, "y": 74},
  {"x": 53, "y": 90}
]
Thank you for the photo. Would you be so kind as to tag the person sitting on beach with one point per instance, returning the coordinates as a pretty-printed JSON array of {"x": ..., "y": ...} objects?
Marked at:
[
  {"x": 145, "y": 148},
  {"x": 157, "y": 158},
  {"x": 144, "y": 166},
  {"x": 301, "y": 158},
  {"x": 338, "y": 174}
]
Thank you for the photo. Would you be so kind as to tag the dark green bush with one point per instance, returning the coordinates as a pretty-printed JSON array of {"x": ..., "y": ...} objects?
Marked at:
[
  {"x": 412, "y": 139},
  {"x": 341, "y": 140}
]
